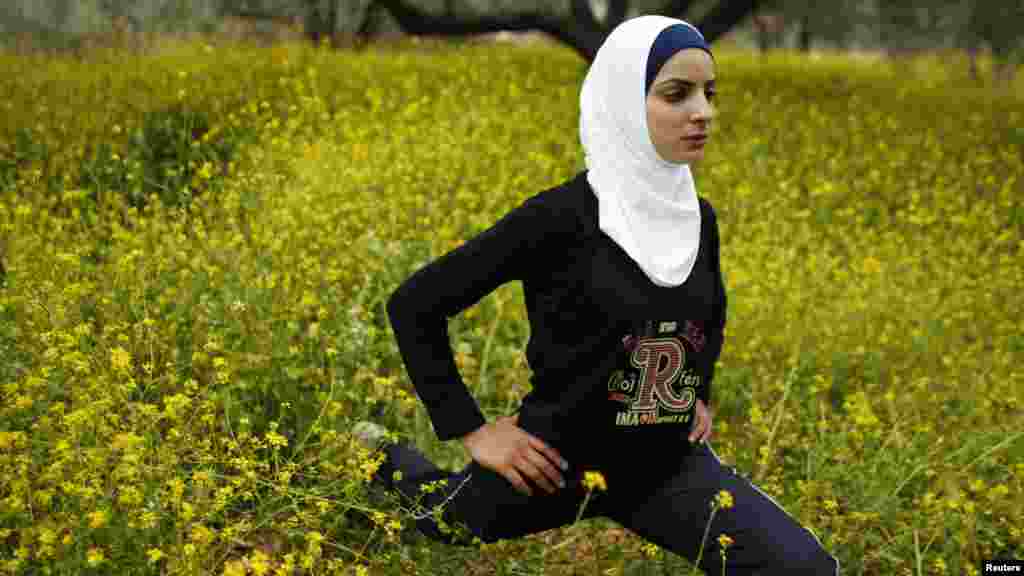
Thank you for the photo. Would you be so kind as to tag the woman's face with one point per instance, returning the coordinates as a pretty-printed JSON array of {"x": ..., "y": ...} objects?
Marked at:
[{"x": 679, "y": 105}]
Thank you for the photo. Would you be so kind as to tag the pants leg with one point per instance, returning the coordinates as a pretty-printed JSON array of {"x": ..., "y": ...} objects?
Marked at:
[
  {"x": 480, "y": 500},
  {"x": 767, "y": 540}
]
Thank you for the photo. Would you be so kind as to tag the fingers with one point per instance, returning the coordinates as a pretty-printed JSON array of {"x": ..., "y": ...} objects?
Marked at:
[
  {"x": 517, "y": 481},
  {"x": 702, "y": 426},
  {"x": 539, "y": 462},
  {"x": 709, "y": 418},
  {"x": 528, "y": 457},
  {"x": 531, "y": 471},
  {"x": 548, "y": 451},
  {"x": 704, "y": 431},
  {"x": 543, "y": 472}
]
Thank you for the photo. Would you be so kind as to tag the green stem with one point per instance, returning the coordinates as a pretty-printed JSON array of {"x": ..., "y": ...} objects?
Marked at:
[
  {"x": 703, "y": 541},
  {"x": 579, "y": 514},
  {"x": 775, "y": 424},
  {"x": 487, "y": 353},
  {"x": 309, "y": 431},
  {"x": 583, "y": 506},
  {"x": 948, "y": 458},
  {"x": 917, "y": 553}
]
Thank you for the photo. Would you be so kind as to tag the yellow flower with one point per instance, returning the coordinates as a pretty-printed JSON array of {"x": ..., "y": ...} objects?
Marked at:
[
  {"x": 201, "y": 535},
  {"x": 724, "y": 499},
  {"x": 259, "y": 562},
  {"x": 97, "y": 519},
  {"x": 47, "y": 536},
  {"x": 155, "y": 554},
  {"x": 234, "y": 568},
  {"x": 95, "y": 556},
  {"x": 120, "y": 359},
  {"x": 593, "y": 479},
  {"x": 998, "y": 492},
  {"x": 650, "y": 550},
  {"x": 275, "y": 439},
  {"x": 871, "y": 265},
  {"x": 725, "y": 541}
]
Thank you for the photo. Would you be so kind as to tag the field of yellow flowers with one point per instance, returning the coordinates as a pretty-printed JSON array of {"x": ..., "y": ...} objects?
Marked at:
[{"x": 197, "y": 246}]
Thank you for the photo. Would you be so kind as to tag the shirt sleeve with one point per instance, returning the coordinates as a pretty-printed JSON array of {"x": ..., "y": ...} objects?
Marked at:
[
  {"x": 717, "y": 328},
  {"x": 420, "y": 307}
]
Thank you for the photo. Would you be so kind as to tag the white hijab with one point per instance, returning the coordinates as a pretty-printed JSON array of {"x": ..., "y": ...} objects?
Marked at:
[{"x": 647, "y": 205}]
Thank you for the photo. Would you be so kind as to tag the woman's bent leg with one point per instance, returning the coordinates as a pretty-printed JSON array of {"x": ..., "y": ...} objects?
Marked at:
[
  {"x": 478, "y": 499},
  {"x": 766, "y": 539}
]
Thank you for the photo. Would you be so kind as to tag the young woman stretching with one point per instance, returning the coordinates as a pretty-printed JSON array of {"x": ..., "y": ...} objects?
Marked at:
[{"x": 624, "y": 294}]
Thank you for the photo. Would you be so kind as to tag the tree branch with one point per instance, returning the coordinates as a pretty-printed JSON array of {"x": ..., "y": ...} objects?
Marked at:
[
  {"x": 581, "y": 12},
  {"x": 724, "y": 16},
  {"x": 676, "y": 8},
  {"x": 581, "y": 30},
  {"x": 577, "y": 34},
  {"x": 616, "y": 12}
]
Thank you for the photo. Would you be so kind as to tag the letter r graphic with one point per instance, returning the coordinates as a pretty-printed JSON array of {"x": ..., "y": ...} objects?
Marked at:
[{"x": 654, "y": 382}]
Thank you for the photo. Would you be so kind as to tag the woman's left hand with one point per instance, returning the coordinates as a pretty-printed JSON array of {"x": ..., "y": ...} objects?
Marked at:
[{"x": 702, "y": 427}]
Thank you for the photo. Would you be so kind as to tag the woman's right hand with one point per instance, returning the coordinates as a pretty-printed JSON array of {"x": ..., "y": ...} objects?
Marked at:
[{"x": 514, "y": 453}]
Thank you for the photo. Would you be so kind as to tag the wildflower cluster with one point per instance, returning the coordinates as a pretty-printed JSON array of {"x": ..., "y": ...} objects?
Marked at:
[{"x": 178, "y": 380}]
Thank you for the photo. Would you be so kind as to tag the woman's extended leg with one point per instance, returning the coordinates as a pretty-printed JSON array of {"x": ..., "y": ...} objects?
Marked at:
[
  {"x": 479, "y": 499},
  {"x": 767, "y": 540}
]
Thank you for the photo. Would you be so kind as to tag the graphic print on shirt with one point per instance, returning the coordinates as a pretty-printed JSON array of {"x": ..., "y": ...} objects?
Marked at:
[{"x": 657, "y": 381}]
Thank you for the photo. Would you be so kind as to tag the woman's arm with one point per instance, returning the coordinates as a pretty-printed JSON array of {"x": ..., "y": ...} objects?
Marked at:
[{"x": 420, "y": 307}]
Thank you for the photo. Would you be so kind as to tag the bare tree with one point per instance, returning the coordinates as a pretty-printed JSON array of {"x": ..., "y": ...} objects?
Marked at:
[
  {"x": 580, "y": 29},
  {"x": 998, "y": 24},
  {"x": 770, "y": 27}
]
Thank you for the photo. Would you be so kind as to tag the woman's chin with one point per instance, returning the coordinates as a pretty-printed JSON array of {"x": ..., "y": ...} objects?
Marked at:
[{"x": 690, "y": 158}]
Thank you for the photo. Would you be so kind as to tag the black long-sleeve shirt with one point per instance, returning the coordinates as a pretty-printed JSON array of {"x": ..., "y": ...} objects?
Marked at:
[{"x": 616, "y": 359}]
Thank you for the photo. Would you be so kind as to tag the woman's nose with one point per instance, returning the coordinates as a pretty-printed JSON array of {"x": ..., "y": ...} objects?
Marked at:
[
  {"x": 706, "y": 111},
  {"x": 701, "y": 118}
]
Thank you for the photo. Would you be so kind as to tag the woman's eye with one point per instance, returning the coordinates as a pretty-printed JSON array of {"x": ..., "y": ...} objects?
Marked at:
[{"x": 676, "y": 96}]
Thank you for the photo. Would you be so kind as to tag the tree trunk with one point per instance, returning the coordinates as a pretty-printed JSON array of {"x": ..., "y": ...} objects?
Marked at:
[
  {"x": 724, "y": 16},
  {"x": 762, "y": 33},
  {"x": 319, "y": 20},
  {"x": 805, "y": 33}
]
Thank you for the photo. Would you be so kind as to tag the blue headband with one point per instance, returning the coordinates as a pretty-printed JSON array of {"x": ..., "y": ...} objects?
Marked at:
[{"x": 671, "y": 40}]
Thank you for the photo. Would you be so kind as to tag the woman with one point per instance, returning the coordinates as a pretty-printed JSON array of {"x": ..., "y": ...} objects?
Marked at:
[{"x": 626, "y": 305}]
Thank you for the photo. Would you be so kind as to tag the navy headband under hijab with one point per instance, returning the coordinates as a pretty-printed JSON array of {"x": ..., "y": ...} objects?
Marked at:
[{"x": 671, "y": 40}]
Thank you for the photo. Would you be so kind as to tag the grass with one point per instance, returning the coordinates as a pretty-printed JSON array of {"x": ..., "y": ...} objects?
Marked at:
[{"x": 181, "y": 362}]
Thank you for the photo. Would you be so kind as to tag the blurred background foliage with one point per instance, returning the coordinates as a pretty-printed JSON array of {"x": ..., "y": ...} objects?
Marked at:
[{"x": 841, "y": 24}]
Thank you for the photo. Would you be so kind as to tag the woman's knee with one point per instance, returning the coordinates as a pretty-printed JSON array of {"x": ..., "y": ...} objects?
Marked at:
[{"x": 812, "y": 560}]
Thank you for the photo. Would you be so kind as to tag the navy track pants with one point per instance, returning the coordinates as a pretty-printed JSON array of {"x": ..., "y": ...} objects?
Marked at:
[{"x": 767, "y": 540}]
